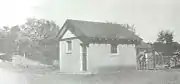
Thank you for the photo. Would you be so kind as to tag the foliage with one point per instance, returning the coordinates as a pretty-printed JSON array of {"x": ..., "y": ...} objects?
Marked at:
[
  {"x": 39, "y": 29},
  {"x": 35, "y": 38},
  {"x": 167, "y": 46},
  {"x": 41, "y": 34},
  {"x": 165, "y": 36},
  {"x": 165, "y": 43}
]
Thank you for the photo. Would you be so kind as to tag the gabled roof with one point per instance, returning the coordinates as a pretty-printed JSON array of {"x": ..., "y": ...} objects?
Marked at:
[{"x": 90, "y": 29}]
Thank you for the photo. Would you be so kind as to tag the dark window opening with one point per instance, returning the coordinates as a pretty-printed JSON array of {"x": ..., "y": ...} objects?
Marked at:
[
  {"x": 69, "y": 45},
  {"x": 113, "y": 49}
]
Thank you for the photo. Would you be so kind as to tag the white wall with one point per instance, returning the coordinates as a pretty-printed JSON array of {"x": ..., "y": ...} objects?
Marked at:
[
  {"x": 70, "y": 62},
  {"x": 68, "y": 34},
  {"x": 99, "y": 56}
]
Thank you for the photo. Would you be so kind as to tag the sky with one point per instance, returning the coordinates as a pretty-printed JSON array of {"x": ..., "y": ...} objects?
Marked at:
[{"x": 149, "y": 16}]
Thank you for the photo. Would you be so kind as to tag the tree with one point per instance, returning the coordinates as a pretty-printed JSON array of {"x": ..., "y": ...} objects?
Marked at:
[
  {"x": 9, "y": 42},
  {"x": 42, "y": 38},
  {"x": 12, "y": 36},
  {"x": 131, "y": 28},
  {"x": 36, "y": 38},
  {"x": 165, "y": 36},
  {"x": 166, "y": 45},
  {"x": 39, "y": 29}
]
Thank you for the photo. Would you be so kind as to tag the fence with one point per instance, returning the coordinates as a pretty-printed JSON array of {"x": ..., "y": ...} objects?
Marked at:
[{"x": 151, "y": 61}]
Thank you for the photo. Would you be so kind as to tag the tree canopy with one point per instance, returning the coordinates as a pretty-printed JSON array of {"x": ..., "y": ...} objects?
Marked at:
[
  {"x": 36, "y": 38},
  {"x": 165, "y": 43},
  {"x": 165, "y": 36}
]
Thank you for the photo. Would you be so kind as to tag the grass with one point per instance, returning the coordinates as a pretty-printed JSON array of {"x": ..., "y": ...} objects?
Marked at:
[
  {"x": 39, "y": 76},
  {"x": 124, "y": 77}
]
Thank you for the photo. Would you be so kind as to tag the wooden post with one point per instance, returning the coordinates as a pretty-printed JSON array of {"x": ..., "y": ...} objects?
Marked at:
[
  {"x": 154, "y": 60},
  {"x": 169, "y": 61},
  {"x": 146, "y": 56},
  {"x": 137, "y": 58},
  {"x": 84, "y": 57},
  {"x": 162, "y": 60}
]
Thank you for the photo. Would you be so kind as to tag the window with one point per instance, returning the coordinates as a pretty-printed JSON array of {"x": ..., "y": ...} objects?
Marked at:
[
  {"x": 113, "y": 49},
  {"x": 69, "y": 46}
]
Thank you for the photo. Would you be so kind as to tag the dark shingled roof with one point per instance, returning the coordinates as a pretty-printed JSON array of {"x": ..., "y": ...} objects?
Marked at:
[
  {"x": 99, "y": 30},
  {"x": 144, "y": 45},
  {"x": 167, "y": 49}
]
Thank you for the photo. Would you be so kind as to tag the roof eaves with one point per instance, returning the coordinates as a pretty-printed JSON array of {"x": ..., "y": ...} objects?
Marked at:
[{"x": 60, "y": 30}]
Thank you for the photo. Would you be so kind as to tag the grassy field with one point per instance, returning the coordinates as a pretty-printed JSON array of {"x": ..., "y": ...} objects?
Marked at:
[
  {"x": 123, "y": 77},
  {"x": 36, "y": 76}
]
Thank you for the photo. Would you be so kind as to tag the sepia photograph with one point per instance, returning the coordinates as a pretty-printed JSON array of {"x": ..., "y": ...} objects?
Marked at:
[{"x": 89, "y": 42}]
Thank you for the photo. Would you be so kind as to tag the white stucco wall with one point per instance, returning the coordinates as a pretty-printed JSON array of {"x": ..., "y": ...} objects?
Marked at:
[
  {"x": 68, "y": 34},
  {"x": 99, "y": 56},
  {"x": 70, "y": 62}
]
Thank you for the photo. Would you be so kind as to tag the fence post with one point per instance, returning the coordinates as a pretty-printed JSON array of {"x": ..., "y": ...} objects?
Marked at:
[{"x": 162, "y": 60}]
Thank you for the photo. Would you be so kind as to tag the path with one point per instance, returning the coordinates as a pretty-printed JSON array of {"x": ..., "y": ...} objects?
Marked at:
[{"x": 11, "y": 77}]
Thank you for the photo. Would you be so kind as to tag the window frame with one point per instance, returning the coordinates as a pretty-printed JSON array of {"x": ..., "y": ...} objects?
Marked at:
[
  {"x": 114, "y": 47},
  {"x": 69, "y": 49}
]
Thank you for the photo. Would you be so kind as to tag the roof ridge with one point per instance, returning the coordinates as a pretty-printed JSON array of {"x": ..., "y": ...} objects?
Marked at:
[
  {"x": 100, "y": 29},
  {"x": 94, "y": 21},
  {"x": 123, "y": 26}
]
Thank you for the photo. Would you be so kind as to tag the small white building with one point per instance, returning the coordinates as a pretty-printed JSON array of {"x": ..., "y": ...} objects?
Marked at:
[{"x": 90, "y": 46}]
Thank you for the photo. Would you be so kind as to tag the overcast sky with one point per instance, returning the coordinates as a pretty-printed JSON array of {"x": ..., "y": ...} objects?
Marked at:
[{"x": 149, "y": 16}]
